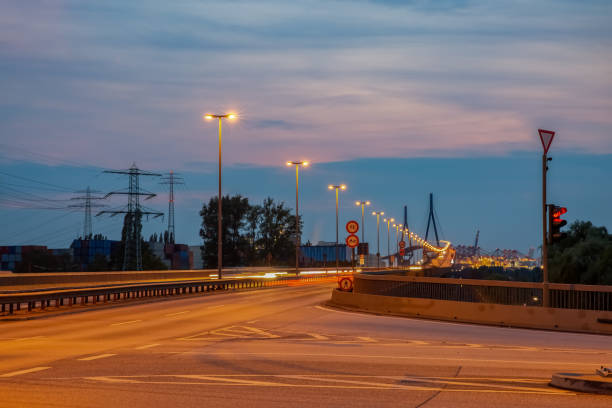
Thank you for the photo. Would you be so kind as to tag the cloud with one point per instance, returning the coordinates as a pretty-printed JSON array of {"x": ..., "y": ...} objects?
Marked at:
[{"x": 112, "y": 82}]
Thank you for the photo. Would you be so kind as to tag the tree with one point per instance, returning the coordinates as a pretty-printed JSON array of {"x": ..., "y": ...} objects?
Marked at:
[
  {"x": 235, "y": 243},
  {"x": 584, "y": 256},
  {"x": 277, "y": 233}
]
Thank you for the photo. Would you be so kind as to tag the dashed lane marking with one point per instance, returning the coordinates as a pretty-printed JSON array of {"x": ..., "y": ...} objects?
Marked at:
[
  {"x": 367, "y": 339},
  {"x": 177, "y": 313},
  {"x": 20, "y": 372},
  {"x": 99, "y": 356},
  {"x": 318, "y": 336},
  {"x": 122, "y": 323},
  {"x": 146, "y": 346}
]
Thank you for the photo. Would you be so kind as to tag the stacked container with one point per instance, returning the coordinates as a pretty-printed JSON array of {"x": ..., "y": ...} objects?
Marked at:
[{"x": 11, "y": 256}]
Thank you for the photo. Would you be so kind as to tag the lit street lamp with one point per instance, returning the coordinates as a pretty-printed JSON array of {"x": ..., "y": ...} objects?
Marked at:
[
  {"x": 337, "y": 187},
  {"x": 363, "y": 205},
  {"x": 297, "y": 165},
  {"x": 378, "y": 214},
  {"x": 219, "y": 208},
  {"x": 388, "y": 221}
]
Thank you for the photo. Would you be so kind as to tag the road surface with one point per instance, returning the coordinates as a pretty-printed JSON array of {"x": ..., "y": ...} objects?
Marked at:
[{"x": 282, "y": 348}]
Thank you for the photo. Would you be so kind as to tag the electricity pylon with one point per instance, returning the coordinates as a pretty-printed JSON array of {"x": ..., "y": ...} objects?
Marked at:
[
  {"x": 132, "y": 227},
  {"x": 87, "y": 205},
  {"x": 171, "y": 179}
]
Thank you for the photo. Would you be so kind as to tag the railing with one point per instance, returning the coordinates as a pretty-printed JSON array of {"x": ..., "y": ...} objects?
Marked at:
[
  {"x": 13, "y": 302},
  {"x": 587, "y": 297}
]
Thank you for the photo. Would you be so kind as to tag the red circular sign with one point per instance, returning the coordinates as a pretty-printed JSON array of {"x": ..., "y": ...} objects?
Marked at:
[
  {"x": 345, "y": 284},
  {"x": 352, "y": 227},
  {"x": 352, "y": 241},
  {"x": 402, "y": 244}
]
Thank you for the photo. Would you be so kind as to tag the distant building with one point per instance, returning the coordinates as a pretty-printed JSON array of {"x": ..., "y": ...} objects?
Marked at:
[
  {"x": 84, "y": 251},
  {"x": 197, "y": 257},
  {"x": 324, "y": 252}
]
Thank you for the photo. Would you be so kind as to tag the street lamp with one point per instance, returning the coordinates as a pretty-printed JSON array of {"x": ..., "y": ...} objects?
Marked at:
[
  {"x": 388, "y": 221},
  {"x": 229, "y": 116},
  {"x": 378, "y": 214},
  {"x": 337, "y": 187},
  {"x": 363, "y": 205},
  {"x": 297, "y": 165},
  {"x": 398, "y": 228}
]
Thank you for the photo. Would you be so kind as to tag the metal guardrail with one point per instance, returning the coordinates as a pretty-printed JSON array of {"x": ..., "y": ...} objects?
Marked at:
[
  {"x": 564, "y": 296},
  {"x": 11, "y": 303}
]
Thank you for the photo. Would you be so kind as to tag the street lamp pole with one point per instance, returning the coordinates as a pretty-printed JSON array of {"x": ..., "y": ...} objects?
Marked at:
[
  {"x": 363, "y": 205},
  {"x": 297, "y": 211},
  {"x": 337, "y": 187},
  {"x": 219, "y": 207},
  {"x": 378, "y": 214},
  {"x": 388, "y": 221}
]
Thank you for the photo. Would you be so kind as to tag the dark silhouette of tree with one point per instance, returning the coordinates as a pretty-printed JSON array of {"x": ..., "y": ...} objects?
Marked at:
[{"x": 584, "y": 256}]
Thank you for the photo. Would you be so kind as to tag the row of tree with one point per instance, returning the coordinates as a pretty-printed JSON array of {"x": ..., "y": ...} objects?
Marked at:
[{"x": 251, "y": 234}]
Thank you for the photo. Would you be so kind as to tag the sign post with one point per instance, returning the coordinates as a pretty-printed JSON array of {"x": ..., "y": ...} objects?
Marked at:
[
  {"x": 352, "y": 240},
  {"x": 546, "y": 137}
]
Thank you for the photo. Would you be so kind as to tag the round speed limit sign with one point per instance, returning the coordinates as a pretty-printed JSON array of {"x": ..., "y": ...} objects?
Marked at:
[{"x": 352, "y": 227}]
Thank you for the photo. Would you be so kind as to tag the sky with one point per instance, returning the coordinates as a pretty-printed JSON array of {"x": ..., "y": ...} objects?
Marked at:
[{"x": 395, "y": 98}]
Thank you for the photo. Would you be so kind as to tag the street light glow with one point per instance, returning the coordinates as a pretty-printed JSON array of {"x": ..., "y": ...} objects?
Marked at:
[
  {"x": 208, "y": 117},
  {"x": 231, "y": 116},
  {"x": 343, "y": 186}
]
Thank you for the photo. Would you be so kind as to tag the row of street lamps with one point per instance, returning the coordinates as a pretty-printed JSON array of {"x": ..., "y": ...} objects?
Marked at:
[{"x": 297, "y": 164}]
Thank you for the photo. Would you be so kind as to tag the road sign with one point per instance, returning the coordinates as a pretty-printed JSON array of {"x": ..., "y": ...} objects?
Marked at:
[
  {"x": 546, "y": 136},
  {"x": 345, "y": 284},
  {"x": 402, "y": 244},
  {"x": 352, "y": 227},
  {"x": 402, "y": 252},
  {"x": 352, "y": 241}
]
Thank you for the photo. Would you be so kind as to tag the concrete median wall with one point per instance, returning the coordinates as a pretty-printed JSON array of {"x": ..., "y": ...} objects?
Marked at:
[{"x": 535, "y": 317}]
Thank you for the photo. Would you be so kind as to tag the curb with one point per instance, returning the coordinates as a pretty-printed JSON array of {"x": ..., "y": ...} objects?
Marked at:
[{"x": 590, "y": 383}]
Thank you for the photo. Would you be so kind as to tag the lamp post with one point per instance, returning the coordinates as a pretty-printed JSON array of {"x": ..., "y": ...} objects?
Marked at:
[
  {"x": 378, "y": 214},
  {"x": 398, "y": 228},
  {"x": 219, "y": 208},
  {"x": 297, "y": 165},
  {"x": 337, "y": 187},
  {"x": 363, "y": 204},
  {"x": 388, "y": 221}
]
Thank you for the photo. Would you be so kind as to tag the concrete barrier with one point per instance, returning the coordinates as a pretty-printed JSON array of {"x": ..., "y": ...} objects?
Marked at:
[{"x": 533, "y": 317}]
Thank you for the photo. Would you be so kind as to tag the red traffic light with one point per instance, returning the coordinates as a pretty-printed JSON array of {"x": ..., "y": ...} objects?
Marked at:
[{"x": 558, "y": 211}]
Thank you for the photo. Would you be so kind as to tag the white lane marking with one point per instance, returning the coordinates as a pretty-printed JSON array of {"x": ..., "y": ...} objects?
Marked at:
[
  {"x": 418, "y": 342},
  {"x": 252, "y": 321},
  {"x": 122, "y": 323},
  {"x": 368, "y": 339},
  {"x": 30, "y": 338},
  {"x": 177, "y": 313},
  {"x": 29, "y": 370},
  {"x": 317, "y": 336},
  {"x": 146, "y": 346},
  {"x": 382, "y": 356},
  {"x": 99, "y": 356}
]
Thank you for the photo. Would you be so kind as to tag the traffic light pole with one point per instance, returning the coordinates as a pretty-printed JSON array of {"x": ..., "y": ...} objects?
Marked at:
[{"x": 545, "y": 293}]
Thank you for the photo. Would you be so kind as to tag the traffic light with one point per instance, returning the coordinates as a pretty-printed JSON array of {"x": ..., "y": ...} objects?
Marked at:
[{"x": 555, "y": 223}]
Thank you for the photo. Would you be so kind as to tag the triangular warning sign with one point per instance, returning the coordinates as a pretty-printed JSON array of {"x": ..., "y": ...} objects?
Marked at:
[{"x": 546, "y": 136}]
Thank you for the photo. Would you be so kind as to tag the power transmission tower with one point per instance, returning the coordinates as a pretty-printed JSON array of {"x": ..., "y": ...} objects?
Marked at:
[
  {"x": 132, "y": 254},
  {"x": 431, "y": 219},
  {"x": 171, "y": 179},
  {"x": 87, "y": 205}
]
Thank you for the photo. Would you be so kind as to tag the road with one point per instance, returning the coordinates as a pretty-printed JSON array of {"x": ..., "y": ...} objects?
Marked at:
[{"x": 282, "y": 348}]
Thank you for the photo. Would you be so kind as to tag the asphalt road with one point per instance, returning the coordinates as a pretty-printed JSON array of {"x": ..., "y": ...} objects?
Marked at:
[{"x": 281, "y": 348}]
